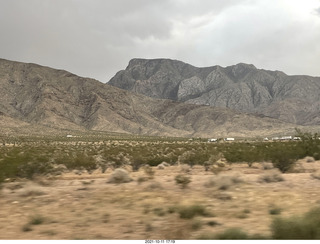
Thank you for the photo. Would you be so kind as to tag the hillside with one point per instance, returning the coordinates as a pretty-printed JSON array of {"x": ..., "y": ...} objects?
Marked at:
[
  {"x": 38, "y": 97},
  {"x": 241, "y": 87}
]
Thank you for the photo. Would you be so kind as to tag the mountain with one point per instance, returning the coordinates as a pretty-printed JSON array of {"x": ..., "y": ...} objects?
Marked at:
[
  {"x": 44, "y": 100},
  {"x": 241, "y": 87}
]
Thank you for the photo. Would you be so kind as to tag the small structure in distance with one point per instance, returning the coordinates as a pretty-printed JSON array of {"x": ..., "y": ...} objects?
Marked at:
[
  {"x": 212, "y": 140},
  {"x": 229, "y": 139}
]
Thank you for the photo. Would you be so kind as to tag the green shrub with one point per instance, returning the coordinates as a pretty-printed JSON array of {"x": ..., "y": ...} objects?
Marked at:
[
  {"x": 188, "y": 212},
  {"x": 79, "y": 161},
  {"x": 275, "y": 211},
  {"x": 232, "y": 234},
  {"x": 244, "y": 152},
  {"x": 30, "y": 169},
  {"x": 306, "y": 227},
  {"x": 36, "y": 220},
  {"x": 194, "y": 157},
  {"x": 213, "y": 223}
]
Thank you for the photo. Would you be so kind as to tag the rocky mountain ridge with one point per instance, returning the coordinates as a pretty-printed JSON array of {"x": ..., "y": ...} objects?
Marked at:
[
  {"x": 44, "y": 99},
  {"x": 241, "y": 87}
]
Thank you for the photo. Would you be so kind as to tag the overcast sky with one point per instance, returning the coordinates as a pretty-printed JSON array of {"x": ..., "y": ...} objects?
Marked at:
[{"x": 97, "y": 38}]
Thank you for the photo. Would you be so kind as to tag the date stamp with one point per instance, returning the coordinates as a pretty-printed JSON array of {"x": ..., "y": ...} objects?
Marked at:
[{"x": 159, "y": 241}]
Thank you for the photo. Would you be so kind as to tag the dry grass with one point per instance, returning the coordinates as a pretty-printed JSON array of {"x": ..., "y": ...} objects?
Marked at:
[{"x": 85, "y": 207}]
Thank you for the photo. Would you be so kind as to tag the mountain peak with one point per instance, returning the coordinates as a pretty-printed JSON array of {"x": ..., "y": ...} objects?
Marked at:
[
  {"x": 241, "y": 87},
  {"x": 241, "y": 69},
  {"x": 244, "y": 65}
]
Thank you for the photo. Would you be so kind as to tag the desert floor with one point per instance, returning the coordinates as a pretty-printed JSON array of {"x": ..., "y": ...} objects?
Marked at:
[{"x": 84, "y": 206}]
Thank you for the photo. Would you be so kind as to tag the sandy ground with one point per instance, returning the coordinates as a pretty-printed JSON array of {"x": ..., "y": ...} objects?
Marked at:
[{"x": 86, "y": 207}]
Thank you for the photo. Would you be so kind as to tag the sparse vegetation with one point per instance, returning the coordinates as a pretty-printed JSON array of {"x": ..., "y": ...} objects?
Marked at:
[
  {"x": 223, "y": 182},
  {"x": 28, "y": 159},
  {"x": 306, "y": 227},
  {"x": 139, "y": 160},
  {"x": 232, "y": 234}
]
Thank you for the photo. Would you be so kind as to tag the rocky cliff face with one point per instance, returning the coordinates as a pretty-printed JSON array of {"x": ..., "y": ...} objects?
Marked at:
[
  {"x": 241, "y": 87},
  {"x": 44, "y": 99}
]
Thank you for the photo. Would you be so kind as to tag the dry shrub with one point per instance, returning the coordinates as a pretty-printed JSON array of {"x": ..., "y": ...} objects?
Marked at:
[
  {"x": 309, "y": 159},
  {"x": 271, "y": 176},
  {"x": 267, "y": 165},
  {"x": 223, "y": 182},
  {"x": 148, "y": 171},
  {"x": 216, "y": 169},
  {"x": 185, "y": 168},
  {"x": 128, "y": 168},
  {"x": 182, "y": 180},
  {"x": 222, "y": 196},
  {"x": 160, "y": 166},
  {"x": 220, "y": 164},
  {"x": 142, "y": 179},
  {"x": 31, "y": 189},
  {"x": 119, "y": 176},
  {"x": 215, "y": 164},
  {"x": 154, "y": 185},
  {"x": 297, "y": 168},
  {"x": 163, "y": 165},
  {"x": 316, "y": 175}
]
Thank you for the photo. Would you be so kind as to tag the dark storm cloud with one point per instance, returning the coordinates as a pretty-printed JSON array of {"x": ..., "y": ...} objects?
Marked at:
[{"x": 97, "y": 38}]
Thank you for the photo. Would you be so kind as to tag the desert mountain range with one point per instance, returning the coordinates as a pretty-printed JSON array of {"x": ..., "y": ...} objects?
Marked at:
[
  {"x": 242, "y": 87},
  {"x": 46, "y": 100}
]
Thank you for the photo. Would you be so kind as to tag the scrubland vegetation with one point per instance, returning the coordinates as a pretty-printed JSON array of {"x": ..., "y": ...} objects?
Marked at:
[
  {"x": 40, "y": 157},
  {"x": 140, "y": 161}
]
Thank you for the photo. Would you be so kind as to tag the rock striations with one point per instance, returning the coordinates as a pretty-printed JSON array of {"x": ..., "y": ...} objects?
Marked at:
[
  {"x": 241, "y": 87},
  {"x": 46, "y": 99}
]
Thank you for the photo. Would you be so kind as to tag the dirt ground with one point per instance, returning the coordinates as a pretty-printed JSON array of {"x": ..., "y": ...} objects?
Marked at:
[{"x": 85, "y": 206}]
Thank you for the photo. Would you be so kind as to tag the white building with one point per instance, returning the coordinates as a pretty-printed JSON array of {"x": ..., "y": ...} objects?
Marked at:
[
  {"x": 229, "y": 139},
  {"x": 212, "y": 140}
]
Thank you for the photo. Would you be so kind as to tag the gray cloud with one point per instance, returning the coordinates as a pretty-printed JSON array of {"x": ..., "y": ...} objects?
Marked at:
[{"x": 97, "y": 38}]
